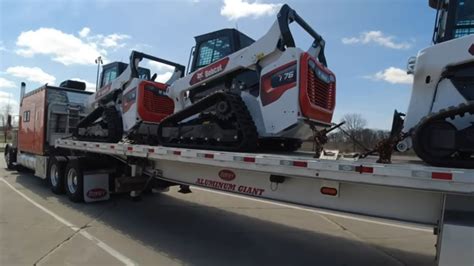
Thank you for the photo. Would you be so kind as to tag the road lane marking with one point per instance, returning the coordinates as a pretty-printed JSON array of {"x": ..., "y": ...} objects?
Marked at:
[
  {"x": 114, "y": 253},
  {"x": 323, "y": 212}
]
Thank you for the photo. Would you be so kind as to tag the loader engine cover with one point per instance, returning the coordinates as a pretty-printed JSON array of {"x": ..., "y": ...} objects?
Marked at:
[
  {"x": 153, "y": 104},
  {"x": 147, "y": 102},
  {"x": 317, "y": 90}
]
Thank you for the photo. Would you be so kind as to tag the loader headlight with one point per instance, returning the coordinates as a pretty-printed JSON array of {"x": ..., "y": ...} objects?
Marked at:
[{"x": 411, "y": 65}]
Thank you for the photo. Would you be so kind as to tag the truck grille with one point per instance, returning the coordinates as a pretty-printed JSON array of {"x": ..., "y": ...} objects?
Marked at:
[
  {"x": 320, "y": 93},
  {"x": 156, "y": 103}
]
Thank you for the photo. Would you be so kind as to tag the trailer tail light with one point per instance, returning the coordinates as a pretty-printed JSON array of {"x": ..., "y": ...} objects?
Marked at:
[
  {"x": 153, "y": 103},
  {"x": 364, "y": 169},
  {"x": 300, "y": 164},
  {"x": 442, "y": 176},
  {"x": 317, "y": 90},
  {"x": 249, "y": 159},
  {"x": 330, "y": 191}
]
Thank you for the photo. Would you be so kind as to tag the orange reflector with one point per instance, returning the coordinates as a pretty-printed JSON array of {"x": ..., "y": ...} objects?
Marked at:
[
  {"x": 300, "y": 164},
  {"x": 362, "y": 169},
  {"x": 442, "y": 176},
  {"x": 329, "y": 191},
  {"x": 249, "y": 159}
]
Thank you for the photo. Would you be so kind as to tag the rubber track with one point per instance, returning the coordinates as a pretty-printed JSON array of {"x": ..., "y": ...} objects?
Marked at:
[
  {"x": 245, "y": 125},
  {"x": 115, "y": 126},
  {"x": 443, "y": 114}
]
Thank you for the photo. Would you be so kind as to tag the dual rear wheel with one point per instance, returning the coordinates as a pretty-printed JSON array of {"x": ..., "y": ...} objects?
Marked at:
[{"x": 66, "y": 177}]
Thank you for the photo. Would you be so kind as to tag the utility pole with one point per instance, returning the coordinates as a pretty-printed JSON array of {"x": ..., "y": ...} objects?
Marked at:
[{"x": 98, "y": 61}]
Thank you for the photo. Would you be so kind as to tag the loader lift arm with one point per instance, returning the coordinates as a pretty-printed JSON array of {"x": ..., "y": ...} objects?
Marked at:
[
  {"x": 285, "y": 17},
  {"x": 136, "y": 57}
]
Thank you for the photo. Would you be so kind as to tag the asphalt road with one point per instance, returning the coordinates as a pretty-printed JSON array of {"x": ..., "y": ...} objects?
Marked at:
[{"x": 201, "y": 228}]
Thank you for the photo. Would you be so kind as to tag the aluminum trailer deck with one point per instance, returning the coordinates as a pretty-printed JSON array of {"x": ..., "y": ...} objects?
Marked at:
[{"x": 412, "y": 192}]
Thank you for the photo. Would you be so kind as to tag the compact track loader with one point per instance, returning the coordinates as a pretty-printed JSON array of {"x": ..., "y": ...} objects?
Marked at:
[{"x": 240, "y": 94}]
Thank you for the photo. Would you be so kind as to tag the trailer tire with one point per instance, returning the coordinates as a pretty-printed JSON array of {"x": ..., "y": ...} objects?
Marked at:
[
  {"x": 74, "y": 181},
  {"x": 56, "y": 176},
  {"x": 10, "y": 157}
]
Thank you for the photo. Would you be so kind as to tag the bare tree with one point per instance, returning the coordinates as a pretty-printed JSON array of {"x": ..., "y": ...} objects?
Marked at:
[
  {"x": 354, "y": 126},
  {"x": 6, "y": 112}
]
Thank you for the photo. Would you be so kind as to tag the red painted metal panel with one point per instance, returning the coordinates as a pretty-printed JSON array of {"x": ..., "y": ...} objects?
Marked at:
[{"x": 31, "y": 134}]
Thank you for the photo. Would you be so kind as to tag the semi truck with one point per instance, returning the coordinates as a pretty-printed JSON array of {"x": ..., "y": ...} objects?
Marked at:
[{"x": 87, "y": 171}]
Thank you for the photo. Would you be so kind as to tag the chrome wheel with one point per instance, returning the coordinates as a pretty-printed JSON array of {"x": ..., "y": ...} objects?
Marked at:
[
  {"x": 54, "y": 175},
  {"x": 72, "y": 180}
]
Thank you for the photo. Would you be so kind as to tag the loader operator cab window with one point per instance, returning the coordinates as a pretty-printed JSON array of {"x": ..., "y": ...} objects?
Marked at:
[
  {"x": 108, "y": 75},
  {"x": 464, "y": 21},
  {"x": 214, "y": 46},
  {"x": 143, "y": 73},
  {"x": 213, "y": 50},
  {"x": 454, "y": 20},
  {"x": 113, "y": 70}
]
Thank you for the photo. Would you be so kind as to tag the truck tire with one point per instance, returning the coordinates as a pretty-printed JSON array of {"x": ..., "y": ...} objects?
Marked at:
[
  {"x": 56, "y": 176},
  {"x": 10, "y": 157},
  {"x": 74, "y": 181}
]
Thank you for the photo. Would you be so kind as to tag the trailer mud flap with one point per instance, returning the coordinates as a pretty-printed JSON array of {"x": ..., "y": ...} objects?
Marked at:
[{"x": 96, "y": 186}]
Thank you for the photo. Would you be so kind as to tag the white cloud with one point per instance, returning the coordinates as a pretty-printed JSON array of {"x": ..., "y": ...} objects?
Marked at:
[
  {"x": 235, "y": 9},
  {"x": 113, "y": 40},
  {"x": 392, "y": 75},
  {"x": 164, "y": 72},
  {"x": 6, "y": 84},
  {"x": 164, "y": 77},
  {"x": 89, "y": 85},
  {"x": 64, "y": 48},
  {"x": 33, "y": 74},
  {"x": 159, "y": 67},
  {"x": 2, "y": 48},
  {"x": 379, "y": 38},
  {"x": 84, "y": 32}
]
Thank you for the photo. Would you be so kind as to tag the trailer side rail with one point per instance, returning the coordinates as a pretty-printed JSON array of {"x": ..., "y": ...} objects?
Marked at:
[{"x": 412, "y": 176}]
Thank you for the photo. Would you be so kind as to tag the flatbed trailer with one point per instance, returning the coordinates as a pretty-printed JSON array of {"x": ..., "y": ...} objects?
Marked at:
[{"x": 442, "y": 198}]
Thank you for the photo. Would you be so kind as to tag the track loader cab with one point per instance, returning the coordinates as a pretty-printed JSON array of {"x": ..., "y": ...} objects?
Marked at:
[
  {"x": 216, "y": 45},
  {"x": 439, "y": 123},
  {"x": 246, "y": 95},
  {"x": 454, "y": 19},
  {"x": 129, "y": 102},
  {"x": 112, "y": 70}
]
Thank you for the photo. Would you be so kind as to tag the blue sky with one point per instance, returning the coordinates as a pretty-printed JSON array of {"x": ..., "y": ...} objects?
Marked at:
[{"x": 368, "y": 42}]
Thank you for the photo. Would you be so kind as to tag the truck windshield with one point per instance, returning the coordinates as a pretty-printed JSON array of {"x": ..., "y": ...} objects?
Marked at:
[{"x": 464, "y": 22}]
